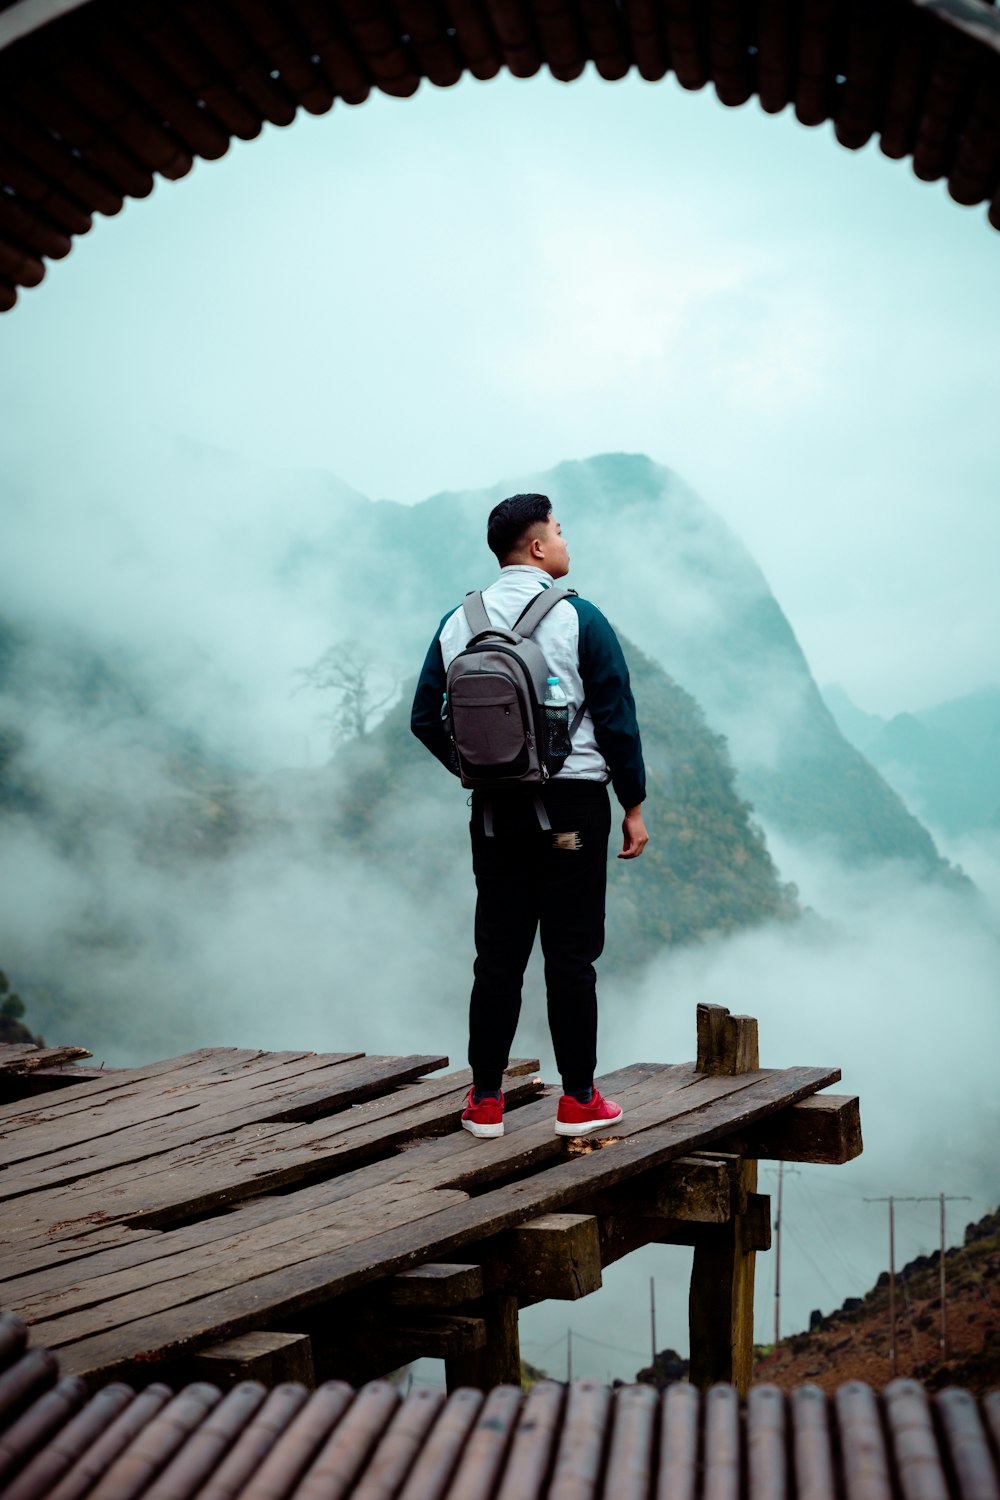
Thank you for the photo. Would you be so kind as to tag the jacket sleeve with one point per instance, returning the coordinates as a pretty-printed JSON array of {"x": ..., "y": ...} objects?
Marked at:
[
  {"x": 425, "y": 715},
  {"x": 608, "y": 695}
]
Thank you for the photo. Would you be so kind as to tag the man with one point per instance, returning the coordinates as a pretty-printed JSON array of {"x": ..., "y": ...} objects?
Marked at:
[{"x": 527, "y": 876}]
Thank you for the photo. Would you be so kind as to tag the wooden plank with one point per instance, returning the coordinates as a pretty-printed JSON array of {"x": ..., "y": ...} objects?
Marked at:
[
  {"x": 60, "y": 1256},
  {"x": 294, "y": 1288},
  {"x": 207, "y": 1089},
  {"x": 91, "y": 1096},
  {"x": 15, "y": 1089},
  {"x": 53, "y": 1263},
  {"x": 342, "y": 1084},
  {"x": 472, "y": 1166},
  {"x": 127, "y": 1296},
  {"x": 260, "y": 1356},
  {"x": 57, "y": 1289},
  {"x": 77, "y": 1285},
  {"x": 254, "y": 1159},
  {"x": 15, "y": 1058}
]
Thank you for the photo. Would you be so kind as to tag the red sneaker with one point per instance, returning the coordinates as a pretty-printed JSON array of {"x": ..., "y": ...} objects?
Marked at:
[
  {"x": 574, "y": 1118},
  {"x": 484, "y": 1118}
]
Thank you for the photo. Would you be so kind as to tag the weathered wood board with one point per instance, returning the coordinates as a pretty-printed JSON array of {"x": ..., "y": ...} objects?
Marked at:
[{"x": 162, "y": 1210}]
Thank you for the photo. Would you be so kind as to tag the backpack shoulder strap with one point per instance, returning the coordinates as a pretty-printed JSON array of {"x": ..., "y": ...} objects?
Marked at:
[
  {"x": 475, "y": 613},
  {"x": 537, "y": 608}
]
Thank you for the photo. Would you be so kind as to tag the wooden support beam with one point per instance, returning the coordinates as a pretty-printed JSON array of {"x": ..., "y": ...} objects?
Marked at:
[
  {"x": 378, "y": 1339},
  {"x": 434, "y": 1335},
  {"x": 497, "y": 1361},
  {"x": 825, "y": 1128},
  {"x": 271, "y": 1358},
  {"x": 726, "y": 1044},
  {"x": 435, "y": 1285},
  {"x": 720, "y": 1306},
  {"x": 695, "y": 1189},
  {"x": 554, "y": 1256}
]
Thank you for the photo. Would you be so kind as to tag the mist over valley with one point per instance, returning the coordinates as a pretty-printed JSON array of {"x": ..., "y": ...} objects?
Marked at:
[{"x": 194, "y": 852}]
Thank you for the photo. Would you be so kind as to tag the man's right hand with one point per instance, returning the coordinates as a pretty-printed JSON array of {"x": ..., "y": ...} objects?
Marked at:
[{"x": 635, "y": 837}]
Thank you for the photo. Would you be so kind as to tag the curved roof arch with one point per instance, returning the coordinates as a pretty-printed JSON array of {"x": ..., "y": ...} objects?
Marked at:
[{"x": 97, "y": 97}]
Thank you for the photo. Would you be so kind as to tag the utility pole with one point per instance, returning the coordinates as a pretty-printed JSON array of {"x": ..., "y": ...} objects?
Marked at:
[
  {"x": 946, "y": 1198},
  {"x": 944, "y": 1293},
  {"x": 777, "y": 1256},
  {"x": 792, "y": 1172},
  {"x": 941, "y": 1199},
  {"x": 569, "y": 1355},
  {"x": 892, "y": 1281},
  {"x": 652, "y": 1316}
]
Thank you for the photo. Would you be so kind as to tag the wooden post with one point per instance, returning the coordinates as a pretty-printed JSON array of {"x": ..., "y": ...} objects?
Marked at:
[
  {"x": 721, "y": 1302},
  {"x": 498, "y": 1362}
]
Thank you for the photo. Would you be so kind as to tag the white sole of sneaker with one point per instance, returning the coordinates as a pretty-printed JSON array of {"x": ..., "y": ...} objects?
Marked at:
[
  {"x": 484, "y": 1132},
  {"x": 589, "y": 1127}
]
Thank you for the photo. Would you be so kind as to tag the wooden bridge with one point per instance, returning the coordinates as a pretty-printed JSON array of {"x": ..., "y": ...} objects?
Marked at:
[{"x": 232, "y": 1214}]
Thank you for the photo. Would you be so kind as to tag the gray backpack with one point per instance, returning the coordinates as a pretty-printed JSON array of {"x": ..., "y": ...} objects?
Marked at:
[{"x": 496, "y": 695}]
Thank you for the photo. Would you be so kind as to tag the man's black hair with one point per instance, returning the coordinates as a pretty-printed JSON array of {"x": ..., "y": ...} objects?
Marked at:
[{"x": 510, "y": 520}]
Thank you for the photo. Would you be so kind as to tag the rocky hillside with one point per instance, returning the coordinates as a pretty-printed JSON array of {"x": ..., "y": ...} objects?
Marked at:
[{"x": 853, "y": 1342}]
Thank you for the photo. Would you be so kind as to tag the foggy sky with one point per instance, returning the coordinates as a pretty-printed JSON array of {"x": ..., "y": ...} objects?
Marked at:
[
  {"x": 481, "y": 281},
  {"x": 433, "y": 295}
]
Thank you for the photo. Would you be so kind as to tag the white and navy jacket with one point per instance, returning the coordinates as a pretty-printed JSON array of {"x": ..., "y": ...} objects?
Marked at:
[{"x": 582, "y": 650}]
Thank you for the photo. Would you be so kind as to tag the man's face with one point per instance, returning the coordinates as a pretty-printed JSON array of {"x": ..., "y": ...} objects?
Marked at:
[{"x": 555, "y": 553}]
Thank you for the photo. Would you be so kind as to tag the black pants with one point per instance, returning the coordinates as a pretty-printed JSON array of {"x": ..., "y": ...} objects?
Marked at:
[{"x": 527, "y": 878}]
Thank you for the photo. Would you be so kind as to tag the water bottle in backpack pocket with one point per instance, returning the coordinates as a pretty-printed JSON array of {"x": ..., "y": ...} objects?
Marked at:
[{"x": 557, "y": 738}]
